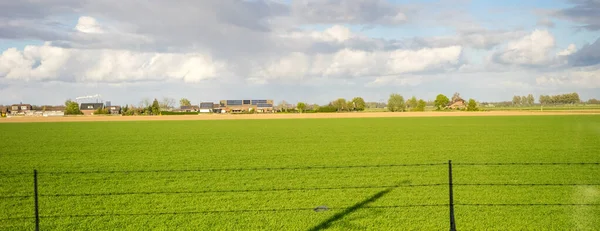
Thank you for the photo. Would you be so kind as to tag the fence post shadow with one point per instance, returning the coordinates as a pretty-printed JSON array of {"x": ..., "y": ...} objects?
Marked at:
[{"x": 338, "y": 216}]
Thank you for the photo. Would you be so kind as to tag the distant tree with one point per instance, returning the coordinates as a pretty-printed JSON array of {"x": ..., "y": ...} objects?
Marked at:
[
  {"x": 421, "y": 104},
  {"x": 572, "y": 98},
  {"x": 145, "y": 103},
  {"x": 283, "y": 106},
  {"x": 530, "y": 99},
  {"x": 359, "y": 103},
  {"x": 412, "y": 103},
  {"x": 441, "y": 101},
  {"x": 167, "y": 103},
  {"x": 184, "y": 102},
  {"x": 126, "y": 110},
  {"x": 472, "y": 105},
  {"x": 350, "y": 106},
  {"x": 516, "y": 100},
  {"x": 593, "y": 101},
  {"x": 456, "y": 97},
  {"x": 72, "y": 108},
  {"x": 544, "y": 99},
  {"x": 301, "y": 106},
  {"x": 340, "y": 104},
  {"x": 575, "y": 98},
  {"x": 155, "y": 109},
  {"x": 396, "y": 103},
  {"x": 315, "y": 107}
]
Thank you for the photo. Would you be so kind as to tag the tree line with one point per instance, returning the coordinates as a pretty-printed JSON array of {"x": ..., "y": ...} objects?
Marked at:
[
  {"x": 395, "y": 103},
  {"x": 528, "y": 100},
  {"x": 571, "y": 98}
]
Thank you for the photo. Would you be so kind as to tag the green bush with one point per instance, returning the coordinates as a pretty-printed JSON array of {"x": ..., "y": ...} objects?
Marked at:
[
  {"x": 472, "y": 105},
  {"x": 328, "y": 108},
  {"x": 101, "y": 111}
]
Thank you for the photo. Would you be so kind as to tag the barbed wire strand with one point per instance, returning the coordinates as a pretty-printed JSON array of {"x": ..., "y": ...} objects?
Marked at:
[
  {"x": 16, "y": 196},
  {"x": 523, "y": 184},
  {"x": 515, "y": 163},
  {"x": 250, "y": 169},
  {"x": 226, "y": 211},
  {"x": 289, "y": 168},
  {"x": 281, "y": 210},
  {"x": 297, "y": 189},
  {"x": 233, "y": 190},
  {"x": 539, "y": 204}
]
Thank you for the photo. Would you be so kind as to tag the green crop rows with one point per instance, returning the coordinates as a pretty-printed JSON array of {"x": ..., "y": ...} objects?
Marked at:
[{"x": 128, "y": 174}]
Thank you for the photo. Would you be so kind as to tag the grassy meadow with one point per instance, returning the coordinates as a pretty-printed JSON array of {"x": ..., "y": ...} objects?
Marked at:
[{"x": 254, "y": 175}]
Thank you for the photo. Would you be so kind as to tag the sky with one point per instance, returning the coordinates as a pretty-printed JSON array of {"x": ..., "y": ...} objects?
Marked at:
[{"x": 311, "y": 51}]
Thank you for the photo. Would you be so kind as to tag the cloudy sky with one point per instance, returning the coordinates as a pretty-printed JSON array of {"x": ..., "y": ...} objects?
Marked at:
[{"x": 296, "y": 50}]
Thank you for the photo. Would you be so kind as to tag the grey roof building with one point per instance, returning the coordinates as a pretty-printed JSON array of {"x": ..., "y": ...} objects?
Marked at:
[{"x": 207, "y": 105}]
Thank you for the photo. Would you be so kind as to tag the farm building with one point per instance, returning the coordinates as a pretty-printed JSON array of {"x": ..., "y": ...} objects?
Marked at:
[
  {"x": 53, "y": 110},
  {"x": 89, "y": 108},
  {"x": 217, "y": 108},
  {"x": 458, "y": 104},
  {"x": 192, "y": 108},
  {"x": 20, "y": 108},
  {"x": 239, "y": 106},
  {"x": 206, "y": 107}
]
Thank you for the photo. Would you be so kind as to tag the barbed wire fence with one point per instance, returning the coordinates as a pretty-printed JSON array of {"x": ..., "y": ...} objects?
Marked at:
[{"x": 450, "y": 184}]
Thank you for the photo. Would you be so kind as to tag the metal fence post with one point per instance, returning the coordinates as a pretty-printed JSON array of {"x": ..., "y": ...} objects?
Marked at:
[
  {"x": 451, "y": 193},
  {"x": 35, "y": 192}
]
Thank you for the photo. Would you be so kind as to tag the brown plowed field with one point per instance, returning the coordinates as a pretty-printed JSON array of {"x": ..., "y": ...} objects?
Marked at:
[{"x": 289, "y": 116}]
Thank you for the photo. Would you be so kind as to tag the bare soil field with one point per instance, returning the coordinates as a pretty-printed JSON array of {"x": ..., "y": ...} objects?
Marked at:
[{"x": 288, "y": 116}]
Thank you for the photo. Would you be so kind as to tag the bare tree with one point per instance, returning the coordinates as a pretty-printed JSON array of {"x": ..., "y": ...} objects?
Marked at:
[
  {"x": 283, "y": 105},
  {"x": 145, "y": 103},
  {"x": 167, "y": 103},
  {"x": 456, "y": 97}
]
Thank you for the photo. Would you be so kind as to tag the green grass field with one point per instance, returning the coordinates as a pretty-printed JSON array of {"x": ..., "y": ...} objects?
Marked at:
[{"x": 217, "y": 200}]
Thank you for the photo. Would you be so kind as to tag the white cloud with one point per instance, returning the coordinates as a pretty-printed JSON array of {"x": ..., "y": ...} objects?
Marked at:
[
  {"x": 577, "y": 77},
  {"x": 396, "y": 81},
  {"x": 109, "y": 65},
  {"x": 336, "y": 33},
  {"x": 532, "y": 49},
  {"x": 87, "y": 24},
  {"x": 349, "y": 63},
  {"x": 53, "y": 63},
  {"x": 566, "y": 52},
  {"x": 475, "y": 38}
]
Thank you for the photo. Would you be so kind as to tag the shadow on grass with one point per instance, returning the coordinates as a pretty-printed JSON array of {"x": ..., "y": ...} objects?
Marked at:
[{"x": 338, "y": 216}]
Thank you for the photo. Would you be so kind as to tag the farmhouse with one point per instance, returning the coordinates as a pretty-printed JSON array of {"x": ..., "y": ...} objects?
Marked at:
[
  {"x": 459, "y": 104},
  {"x": 20, "y": 108},
  {"x": 89, "y": 108},
  {"x": 239, "y": 106},
  {"x": 206, "y": 107}
]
